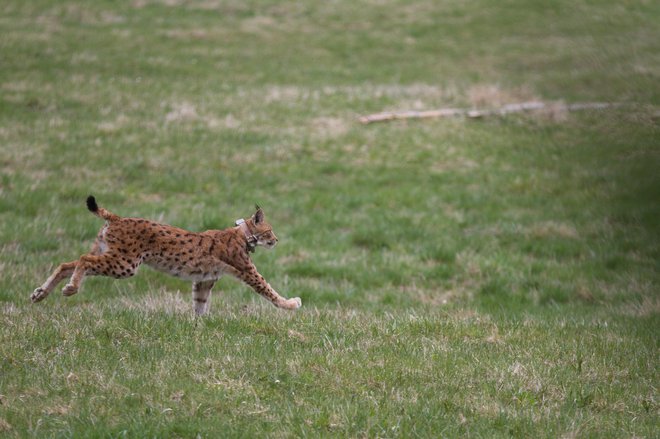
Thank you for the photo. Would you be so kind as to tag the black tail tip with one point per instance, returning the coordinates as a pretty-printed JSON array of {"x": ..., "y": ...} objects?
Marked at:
[{"x": 91, "y": 204}]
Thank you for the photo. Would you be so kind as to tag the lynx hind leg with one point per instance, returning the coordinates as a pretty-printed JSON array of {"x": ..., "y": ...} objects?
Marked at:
[
  {"x": 202, "y": 296},
  {"x": 106, "y": 264},
  {"x": 61, "y": 272}
]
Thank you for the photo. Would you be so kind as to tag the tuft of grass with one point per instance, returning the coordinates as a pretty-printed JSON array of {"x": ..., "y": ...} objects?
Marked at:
[{"x": 494, "y": 277}]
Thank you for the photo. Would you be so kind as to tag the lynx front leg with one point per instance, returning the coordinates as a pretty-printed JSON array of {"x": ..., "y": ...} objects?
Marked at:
[
  {"x": 63, "y": 271},
  {"x": 202, "y": 296},
  {"x": 252, "y": 277}
]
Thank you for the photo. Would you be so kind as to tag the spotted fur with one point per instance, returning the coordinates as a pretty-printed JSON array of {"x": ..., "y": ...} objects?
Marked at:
[{"x": 123, "y": 244}]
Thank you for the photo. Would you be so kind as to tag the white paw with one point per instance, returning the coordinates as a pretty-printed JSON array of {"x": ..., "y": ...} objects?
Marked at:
[
  {"x": 294, "y": 303},
  {"x": 200, "y": 310},
  {"x": 38, "y": 295}
]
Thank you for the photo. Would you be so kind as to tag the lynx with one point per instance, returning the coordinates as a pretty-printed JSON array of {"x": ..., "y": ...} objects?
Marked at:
[{"x": 123, "y": 244}]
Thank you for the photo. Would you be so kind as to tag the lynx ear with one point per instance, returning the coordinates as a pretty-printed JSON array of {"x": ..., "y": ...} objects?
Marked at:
[{"x": 259, "y": 215}]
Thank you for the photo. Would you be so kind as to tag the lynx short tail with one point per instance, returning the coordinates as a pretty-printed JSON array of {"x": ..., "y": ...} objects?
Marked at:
[{"x": 99, "y": 211}]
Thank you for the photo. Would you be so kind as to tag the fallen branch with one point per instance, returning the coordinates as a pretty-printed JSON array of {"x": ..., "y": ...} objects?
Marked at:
[{"x": 474, "y": 114}]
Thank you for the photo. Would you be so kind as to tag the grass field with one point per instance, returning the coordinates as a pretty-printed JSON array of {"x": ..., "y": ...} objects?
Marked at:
[{"x": 460, "y": 278}]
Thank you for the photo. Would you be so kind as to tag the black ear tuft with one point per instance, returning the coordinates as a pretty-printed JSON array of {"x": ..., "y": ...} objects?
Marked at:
[{"x": 259, "y": 215}]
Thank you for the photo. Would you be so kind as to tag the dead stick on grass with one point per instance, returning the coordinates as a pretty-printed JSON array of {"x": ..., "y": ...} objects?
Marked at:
[{"x": 474, "y": 114}]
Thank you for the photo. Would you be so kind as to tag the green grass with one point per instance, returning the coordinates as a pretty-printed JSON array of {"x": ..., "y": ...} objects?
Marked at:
[{"x": 460, "y": 278}]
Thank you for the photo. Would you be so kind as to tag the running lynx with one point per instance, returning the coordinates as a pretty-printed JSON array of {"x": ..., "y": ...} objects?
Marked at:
[{"x": 123, "y": 244}]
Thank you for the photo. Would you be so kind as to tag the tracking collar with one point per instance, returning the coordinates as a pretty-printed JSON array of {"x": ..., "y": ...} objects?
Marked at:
[{"x": 251, "y": 239}]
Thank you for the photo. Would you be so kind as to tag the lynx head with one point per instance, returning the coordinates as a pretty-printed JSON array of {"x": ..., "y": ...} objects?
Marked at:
[{"x": 261, "y": 230}]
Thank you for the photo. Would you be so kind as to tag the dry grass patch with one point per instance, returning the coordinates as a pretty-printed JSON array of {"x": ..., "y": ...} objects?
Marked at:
[
  {"x": 552, "y": 229},
  {"x": 162, "y": 302},
  {"x": 182, "y": 112},
  {"x": 109, "y": 127},
  {"x": 4, "y": 425},
  {"x": 494, "y": 96},
  {"x": 329, "y": 127},
  {"x": 647, "y": 306}
]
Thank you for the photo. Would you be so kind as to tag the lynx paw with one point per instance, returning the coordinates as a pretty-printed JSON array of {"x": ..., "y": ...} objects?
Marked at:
[
  {"x": 294, "y": 303},
  {"x": 69, "y": 290},
  {"x": 38, "y": 295}
]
